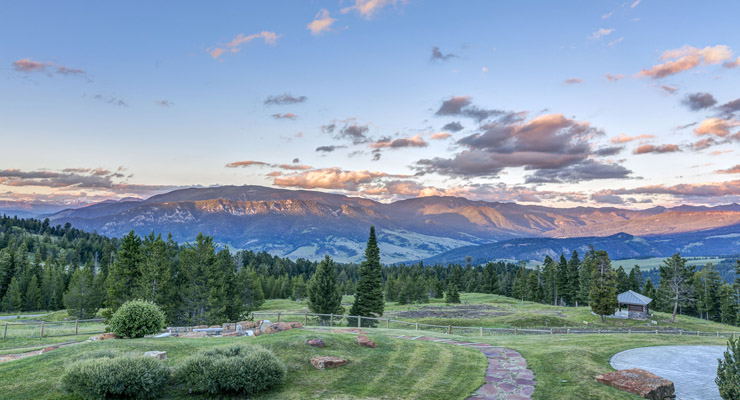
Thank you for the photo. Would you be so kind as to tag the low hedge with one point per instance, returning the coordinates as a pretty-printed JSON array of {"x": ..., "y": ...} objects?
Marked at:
[
  {"x": 137, "y": 318},
  {"x": 234, "y": 369},
  {"x": 129, "y": 377}
]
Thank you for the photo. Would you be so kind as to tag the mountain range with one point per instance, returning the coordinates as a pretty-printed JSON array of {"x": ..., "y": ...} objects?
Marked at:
[{"x": 309, "y": 224}]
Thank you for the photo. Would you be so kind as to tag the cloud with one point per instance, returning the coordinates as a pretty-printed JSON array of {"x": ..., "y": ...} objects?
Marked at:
[
  {"x": 453, "y": 127},
  {"x": 235, "y": 45},
  {"x": 463, "y": 106},
  {"x": 293, "y": 167},
  {"x": 440, "y": 136},
  {"x": 731, "y": 170},
  {"x": 717, "y": 127},
  {"x": 607, "y": 198},
  {"x": 649, "y": 148},
  {"x": 613, "y": 78},
  {"x": 329, "y": 178},
  {"x": 622, "y": 138},
  {"x": 713, "y": 189},
  {"x": 547, "y": 142},
  {"x": 732, "y": 64},
  {"x": 285, "y": 116},
  {"x": 321, "y": 22},
  {"x": 686, "y": 58},
  {"x": 572, "y": 81},
  {"x": 27, "y": 65},
  {"x": 587, "y": 170},
  {"x": 699, "y": 100},
  {"x": 607, "y": 15},
  {"x": 730, "y": 107},
  {"x": 669, "y": 89},
  {"x": 163, "y": 103},
  {"x": 601, "y": 32},
  {"x": 414, "y": 141},
  {"x": 329, "y": 149},
  {"x": 285, "y": 98},
  {"x": 111, "y": 100},
  {"x": 438, "y": 55},
  {"x": 615, "y": 42},
  {"x": 350, "y": 130},
  {"x": 608, "y": 151},
  {"x": 636, "y": 3},
  {"x": 368, "y": 8},
  {"x": 244, "y": 164}
]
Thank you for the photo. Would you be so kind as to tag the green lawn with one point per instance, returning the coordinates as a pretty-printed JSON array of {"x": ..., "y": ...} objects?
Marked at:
[{"x": 397, "y": 369}]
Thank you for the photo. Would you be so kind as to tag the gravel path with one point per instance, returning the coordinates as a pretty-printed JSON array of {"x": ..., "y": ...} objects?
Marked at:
[{"x": 507, "y": 376}]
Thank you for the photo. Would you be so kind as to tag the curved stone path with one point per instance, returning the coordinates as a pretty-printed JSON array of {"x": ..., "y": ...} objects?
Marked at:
[{"x": 507, "y": 376}]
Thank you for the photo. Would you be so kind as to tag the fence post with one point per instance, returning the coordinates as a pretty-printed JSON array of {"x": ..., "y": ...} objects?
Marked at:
[
  {"x": 77, "y": 324},
  {"x": 567, "y": 330},
  {"x": 552, "y": 331},
  {"x": 481, "y": 331},
  {"x": 387, "y": 323},
  {"x": 278, "y": 317},
  {"x": 717, "y": 333},
  {"x": 5, "y": 335},
  {"x": 306, "y": 323},
  {"x": 680, "y": 332},
  {"x": 629, "y": 331},
  {"x": 449, "y": 329},
  {"x": 331, "y": 319},
  {"x": 697, "y": 332},
  {"x": 417, "y": 326},
  {"x": 656, "y": 331},
  {"x": 42, "y": 328},
  {"x": 516, "y": 331},
  {"x": 359, "y": 321}
]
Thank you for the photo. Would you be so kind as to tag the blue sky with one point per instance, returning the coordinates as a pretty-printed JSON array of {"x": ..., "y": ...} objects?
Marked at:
[{"x": 101, "y": 100}]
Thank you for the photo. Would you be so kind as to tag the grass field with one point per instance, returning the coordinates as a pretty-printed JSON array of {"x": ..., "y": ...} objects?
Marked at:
[{"x": 396, "y": 369}]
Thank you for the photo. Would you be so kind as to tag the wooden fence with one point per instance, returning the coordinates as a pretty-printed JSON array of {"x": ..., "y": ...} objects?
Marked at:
[
  {"x": 51, "y": 329},
  {"x": 334, "y": 320}
]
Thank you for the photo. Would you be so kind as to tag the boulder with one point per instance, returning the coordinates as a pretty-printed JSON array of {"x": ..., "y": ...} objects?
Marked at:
[
  {"x": 639, "y": 382},
  {"x": 278, "y": 327},
  {"x": 247, "y": 324},
  {"x": 363, "y": 340},
  {"x": 256, "y": 332},
  {"x": 230, "y": 334},
  {"x": 200, "y": 327},
  {"x": 159, "y": 355},
  {"x": 295, "y": 325},
  {"x": 315, "y": 342},
  {"x": 327, "y": 362},
  {"x": 229, "y": 326}
]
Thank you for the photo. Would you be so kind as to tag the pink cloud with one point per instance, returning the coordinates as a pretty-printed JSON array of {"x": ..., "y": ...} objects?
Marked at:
[
  {"x": 234, "y": 46},
  {"x": 321, "y": 23},
  {"x": 686, "y": 58},
  {"x": 414, "y": 141},
  {"x": 626, "y": 139},
  {"x": 368, "y": 8}
]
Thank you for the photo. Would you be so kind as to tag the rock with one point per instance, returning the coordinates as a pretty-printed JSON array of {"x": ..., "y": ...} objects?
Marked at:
[
  {"x": 256, "y": 332},
  {"x": 246, "y": 324},
  {"x": 200, "y": 327},
  {"x": 104, "y": 336},
  {"x": 327, "y": 362},
  {"x": 315, "y": 342},
  {"x": 295, "y": 325},
  {"x": 194, "y": 334},
  {"x": 229, "y": 326},
  {"x": 230, "y": 334},
  {"x": 214, "y": 326},
  {"x": 363, "y": 340},
  {"x": 278, "y": 327},
  {"x": 159, "y": 355},
  {"x": 639, "y": 382}
]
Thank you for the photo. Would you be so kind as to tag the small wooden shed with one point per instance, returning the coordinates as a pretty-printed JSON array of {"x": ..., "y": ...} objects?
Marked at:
[{"x": 636, "y": 305}]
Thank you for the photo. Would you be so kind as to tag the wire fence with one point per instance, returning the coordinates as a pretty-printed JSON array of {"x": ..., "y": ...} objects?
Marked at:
[
  {"x": 348, "y": 321},
  {"x": 12, "y": 330}
]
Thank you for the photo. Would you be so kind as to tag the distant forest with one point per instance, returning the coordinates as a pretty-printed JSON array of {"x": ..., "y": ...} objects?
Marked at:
[{"x": 44, "y": 267}]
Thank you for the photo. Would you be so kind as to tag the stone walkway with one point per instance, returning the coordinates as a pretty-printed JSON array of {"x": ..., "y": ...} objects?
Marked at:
[{"x": 507, "y": 376}]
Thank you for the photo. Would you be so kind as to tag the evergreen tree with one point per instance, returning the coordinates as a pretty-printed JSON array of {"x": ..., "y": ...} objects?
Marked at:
[
  {"x": 550, "y": 280},
  {"x": 80, "y": 299},
  {"x": 324, "y": 296},
  {"x": 649, "y": 289},
  {"x": 299, "y": 288},
  {"x": 154, "y": 272},
  {"x": 453, "y": 296},
  {"x": 519, "y": 287},
  {"x": 603, "y": 297},
  {"x": 438, "y": 289},
  {"x": 13, "y": 299},
  {"x": 574, "y": 269},
  {"x": 369, "y": 294},
  {"x": 534, "y": 288},
  {"x": 707, "y": 283},
  {"x": 7, "y": 270},
  {"x": 728, "y": 371},
  {"x": 623, "y": 281},
  {"x": 391, "y": 291},
  {"x": 562, "y": 281},
  {"x": 490, "y": 279},
  {"x": 125, "y": 272},
  {"x": 727, "y": 305},
  {"x": 675, "y": 281},
  {"x": 223, "y": 302},
  {"x": 32, "y": 297},
  {"x": 635, "y": 279},
  {"x": 250, "y": 289},
  {"x": 195, "y": 261},
  {"x": 584, "y": 278}
]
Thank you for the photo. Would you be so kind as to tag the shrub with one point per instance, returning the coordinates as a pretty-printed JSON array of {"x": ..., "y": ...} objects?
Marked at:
[
  {"x": 235, "y": 369},
  {"x": 728, "y": 371},
  {"x": 137, "y": 318},
  {"x": 138, "y": 377},
  {"x": 104, "y": 353}
]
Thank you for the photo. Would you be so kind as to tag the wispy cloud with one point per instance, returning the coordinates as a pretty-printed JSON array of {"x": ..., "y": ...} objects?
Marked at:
[
  {"x": 368, "y": 8},
  {"x": 626, "y": 139},
  {"x": 601, "y": 32},
  {"x": 290, "y": 116},
  {"x": 235, "y": 45},
  {"x": 284, "y": 98},
  {"x": 686, "y": 58},
  {"x": 650, "y": 148},
  {"x": 27, "y": 65},
  {"x": 613, "y": 77},
  {"x": 572, "y": 81},
  {"x": 321, "y": 23},
  {"x": 437, "y": 55}
]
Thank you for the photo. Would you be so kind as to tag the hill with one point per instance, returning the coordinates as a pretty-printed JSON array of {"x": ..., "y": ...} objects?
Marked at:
[{"x": 309, "y": 224}]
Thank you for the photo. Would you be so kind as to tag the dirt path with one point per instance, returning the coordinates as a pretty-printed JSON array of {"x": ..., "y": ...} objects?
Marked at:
[
  {"x": 18, "y": 356},
  {"x": 507, "y": 376}
]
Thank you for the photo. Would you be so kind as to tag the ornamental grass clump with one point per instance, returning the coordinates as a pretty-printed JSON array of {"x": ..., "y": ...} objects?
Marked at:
[
  {"x": 232, "y": 370},
  {"x": 137, "y": 318},
  {"x": 128, "y": 377}
]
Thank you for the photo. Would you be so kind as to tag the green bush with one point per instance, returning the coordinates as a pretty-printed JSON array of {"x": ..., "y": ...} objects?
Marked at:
[
  {"x": 235, "y": 369},
  {"x": 137, "y": 318},
  {"x": 138, "y": 377},
  {"x": 728, "y": 371}
]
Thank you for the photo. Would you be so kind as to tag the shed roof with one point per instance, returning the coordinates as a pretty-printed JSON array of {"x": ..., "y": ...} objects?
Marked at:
[{"x": 632, "y": 297}]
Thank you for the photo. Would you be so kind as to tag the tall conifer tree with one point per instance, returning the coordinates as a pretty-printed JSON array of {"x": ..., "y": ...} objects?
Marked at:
[
  {"x": 323, "y": 289},
  {"x": 369, "y": 293}
]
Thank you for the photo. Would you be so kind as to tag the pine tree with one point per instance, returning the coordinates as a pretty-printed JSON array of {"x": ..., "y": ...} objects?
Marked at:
[
  {"x": 623, "y": 282},
  {"x": 574, "y": 269},
  {"x": 675, "y": 281},
  {"x": 223, "y": 303},
  {"x": 32, "y": 297},
  {"x": 490, "y": 279},
  {"x": 519, "y": 287},
  {"x": 369, "y": 294},
  {"x": 584, "y": 278},
  {"x": 299, "y": 288},
  {"x": 125, "y": 272},
  {"x": 251, "y": 294},
  {"x": 728, "y": 371},
  {"x": 635, "y": 279},
  {"x": 13, "y": 299},
  {"x": 649, "y": 290},
  {"x": 7, "y": 270},
  {"x": 80, "y": 299},
  {"x": 152, "y": 282},
  {"x": 707, "y": 283},
  {"x": 727, "y": 305},
  {"x": 390, "y": 289},
  {"x": 534, "y": 288},
  {"x": 195, "y": 261},
  {"x": 438, "y": 289},
  {"x": 453, "y": 296},
  {"x": 550, "y": 280},
  {"x": 324, "y": 296},
  {"x": 603, "y": 296},
  {"x": 562, "y": 281}
]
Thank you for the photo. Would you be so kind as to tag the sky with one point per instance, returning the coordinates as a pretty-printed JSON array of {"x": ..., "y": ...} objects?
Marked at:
[{"x": 601, "y": 103}]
